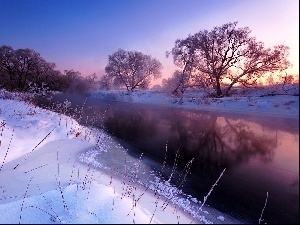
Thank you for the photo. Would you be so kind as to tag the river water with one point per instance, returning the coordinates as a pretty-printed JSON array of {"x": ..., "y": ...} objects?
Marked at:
[{"x": 260, "y": 152}]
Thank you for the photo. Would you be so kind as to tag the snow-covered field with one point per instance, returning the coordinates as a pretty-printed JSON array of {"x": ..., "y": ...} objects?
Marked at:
[
  {"x": 47, "y": 172},
  {"x": 273, "y": 100}
]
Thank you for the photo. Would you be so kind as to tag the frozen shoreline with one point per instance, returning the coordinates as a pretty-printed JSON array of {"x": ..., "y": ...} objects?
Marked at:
[
  {"x": 278, "y": 106},
  {"x": 42, "y": 176},
  {"x": 180, "y": 203},
  {"x": 18, "y": 117}
]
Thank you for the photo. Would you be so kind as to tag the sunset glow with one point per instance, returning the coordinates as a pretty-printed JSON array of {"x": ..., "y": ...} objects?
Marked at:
[{"x": 80, "y": 35}]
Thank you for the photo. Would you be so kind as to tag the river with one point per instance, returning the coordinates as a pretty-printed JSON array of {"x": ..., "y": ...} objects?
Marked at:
[{"x": 260, "y": 152}]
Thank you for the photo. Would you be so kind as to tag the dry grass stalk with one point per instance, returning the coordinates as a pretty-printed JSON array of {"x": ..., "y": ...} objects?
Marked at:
[
  {"x": 34, "y": 148},
  {"x": 211, "y": 189},
  {"x": 12, "y": 134},
  {"x": 260, "y": 219},
  {"x": 22, "y": 205}
]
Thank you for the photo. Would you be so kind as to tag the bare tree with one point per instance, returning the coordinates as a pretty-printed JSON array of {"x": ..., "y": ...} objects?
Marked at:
[
  {"x": 180, "y": 82},
  {"x": 184, "y": 55},
  {"x": 228, "y": 53},
  {"x": 20, "y": 67},
  {"x": 26, "y": 70},
  {"x": 75, "y": 82},
  {"x": 105, "y": 82},
  {"x": 6, "y": 66},
  {"x": 91, "y": 81},
  {"x": 132, "y": 69},
  {"x": 177, "y": 84}
]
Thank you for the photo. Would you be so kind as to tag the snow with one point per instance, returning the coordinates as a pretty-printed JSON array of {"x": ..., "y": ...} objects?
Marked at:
[
  {"x": 49, "y": 172},
  {"x": 44, "y": 181},
  {"x": 274, "y": 100}
]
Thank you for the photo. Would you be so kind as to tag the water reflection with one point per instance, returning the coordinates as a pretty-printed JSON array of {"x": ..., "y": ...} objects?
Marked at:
[
  {"x": 259, "y": 153},
  {"x": 214, "y": 142},
  {"x": 252, "y": 153},
  {"x": 120, "y": 123}
]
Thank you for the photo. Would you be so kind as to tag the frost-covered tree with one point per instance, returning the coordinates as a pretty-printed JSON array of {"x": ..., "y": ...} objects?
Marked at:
[
  {"x": 132, "y": 69},
  {"x": 105, "y": 82},
  {"x": 227, "y": 53},
  {"x": 91, "y": 81},
  {"x": 75, "y": 82},
  {"x": 181, "y": 81},
  {"x": 187, "y": 77},
  {"x": 20, "y": 67}
]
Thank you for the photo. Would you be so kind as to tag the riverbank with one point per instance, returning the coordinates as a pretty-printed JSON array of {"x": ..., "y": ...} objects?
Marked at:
[
  {"x": 259, "y": 101},
  {"x": 83, "y": 178},
  {"x": 44, "y": 181}
]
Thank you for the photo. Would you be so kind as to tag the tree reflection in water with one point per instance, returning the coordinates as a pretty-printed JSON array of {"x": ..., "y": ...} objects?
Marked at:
[
  {"x": 131, "y": 125},
  {"x": 245, "y": 145},
  {"x": 214, "y": 142},
  {"x": 217, "y": 142}
]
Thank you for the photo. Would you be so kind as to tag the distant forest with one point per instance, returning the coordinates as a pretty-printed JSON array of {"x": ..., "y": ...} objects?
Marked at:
[{"x": 215, "y": 60}]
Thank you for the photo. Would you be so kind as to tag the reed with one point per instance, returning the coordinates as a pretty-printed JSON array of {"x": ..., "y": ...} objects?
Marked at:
[
  {"x": 12, "y": 135},
  {"x": 210, "y": 191},
  {"x": 24, "y": 158},
  {"x": 54, "y": 217},
  {"x": 25, "y": 195},
  {"x": 59, "y": 185},
  {"x": 2, "y": 126},
  {"x": 262, "y": 211}
]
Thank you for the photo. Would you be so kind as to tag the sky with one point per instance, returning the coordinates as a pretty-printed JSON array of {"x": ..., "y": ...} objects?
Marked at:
[
  {"x": 55, "y": 177},
  {"x": 80, "y": 35}
]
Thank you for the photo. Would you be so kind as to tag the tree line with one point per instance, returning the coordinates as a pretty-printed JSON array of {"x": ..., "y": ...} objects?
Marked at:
[
  {"x": 217, "y": 59},
  {"x": 25, "y": 70}
]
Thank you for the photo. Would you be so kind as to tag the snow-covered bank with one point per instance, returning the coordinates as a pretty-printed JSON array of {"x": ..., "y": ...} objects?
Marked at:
[
  {"x": 43, "y": 180},
  {"x": 49, "y": 173},
  {"x": 268, "y": 100}
]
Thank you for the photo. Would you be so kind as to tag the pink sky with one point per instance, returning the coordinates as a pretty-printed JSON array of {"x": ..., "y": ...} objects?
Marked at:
[{"x": 79, "y": 36}]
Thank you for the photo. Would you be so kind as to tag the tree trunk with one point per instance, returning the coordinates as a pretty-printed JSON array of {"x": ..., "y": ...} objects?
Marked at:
[
  {"x": 229, "y": 88},
  {"x": 218, "y": 87}
]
